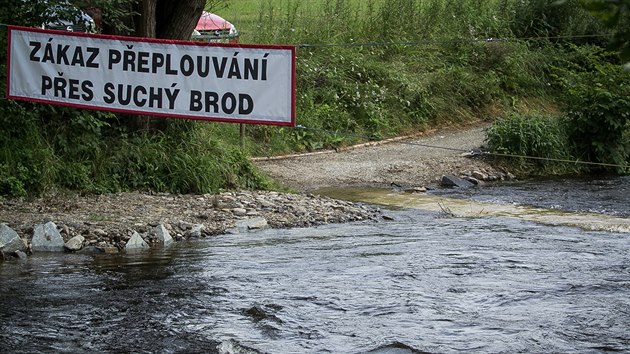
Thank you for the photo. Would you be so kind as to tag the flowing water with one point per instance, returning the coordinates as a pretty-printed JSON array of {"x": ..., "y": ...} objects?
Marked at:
[
  {"x": 428, "y": 280},
  {"x": 606, "y": 195}
]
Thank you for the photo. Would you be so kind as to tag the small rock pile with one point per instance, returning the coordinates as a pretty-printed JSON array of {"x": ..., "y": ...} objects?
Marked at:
[
  {"x": 474, "y": 178},
  {"x": 126, "y": 222}
]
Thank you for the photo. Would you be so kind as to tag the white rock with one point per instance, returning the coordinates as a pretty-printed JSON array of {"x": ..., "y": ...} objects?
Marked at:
[
  {"x": 46, "y": 238},
  {"x": 251, "y": 224},
  {"x": 10, "y": 241},
  {"x": 136, "y": 243},
  {"x": 163, "y": 235},
  {"x": 75, "y": 243}
]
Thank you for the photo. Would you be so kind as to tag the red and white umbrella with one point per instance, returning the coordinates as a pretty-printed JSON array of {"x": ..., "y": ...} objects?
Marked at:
[{"x": 212, "y": 22}]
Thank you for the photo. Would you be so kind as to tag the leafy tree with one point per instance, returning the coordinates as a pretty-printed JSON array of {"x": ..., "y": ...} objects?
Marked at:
[{"x": 615, "y": 14}]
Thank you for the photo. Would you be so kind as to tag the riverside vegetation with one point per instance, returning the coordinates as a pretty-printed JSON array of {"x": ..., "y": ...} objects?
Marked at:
[{"x": 539, "y": 70}]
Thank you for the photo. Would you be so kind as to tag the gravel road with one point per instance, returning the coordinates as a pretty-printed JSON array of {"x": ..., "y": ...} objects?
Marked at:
[{"x": 414, "y": 162}]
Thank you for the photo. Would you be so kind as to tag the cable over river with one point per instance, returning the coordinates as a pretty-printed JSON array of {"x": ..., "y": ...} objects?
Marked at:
[{"x": 425, "y": 281}]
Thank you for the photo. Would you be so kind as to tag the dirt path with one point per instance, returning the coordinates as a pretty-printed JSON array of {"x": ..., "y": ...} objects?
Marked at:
[{"x": 407, "y": 163}]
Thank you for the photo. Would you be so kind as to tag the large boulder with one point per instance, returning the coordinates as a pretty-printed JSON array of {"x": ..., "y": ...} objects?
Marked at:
[
  {"x": 136, "y": 243},
  {"x": 46, "y": 238},
  {"x": 10, "y": 241},
  {"x": 453, "y": 181}
]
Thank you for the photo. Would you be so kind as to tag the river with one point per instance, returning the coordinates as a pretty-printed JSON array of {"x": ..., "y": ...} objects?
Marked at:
[{"x": 424, "y": 281}]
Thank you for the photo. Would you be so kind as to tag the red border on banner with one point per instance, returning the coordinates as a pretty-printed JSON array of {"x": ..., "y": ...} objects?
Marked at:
[{"x": 163, "y": 41}]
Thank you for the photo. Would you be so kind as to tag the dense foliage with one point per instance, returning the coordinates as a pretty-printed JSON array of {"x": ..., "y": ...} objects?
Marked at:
[
  {"x": 45, "y": 148},
  {"x": 365, "y": 70},
  {"x": 454, "y": 62},
  {"x": 534, "y": 142},
  {"x": 597, "y": 104},
  {"x": 593, "y": 126}
]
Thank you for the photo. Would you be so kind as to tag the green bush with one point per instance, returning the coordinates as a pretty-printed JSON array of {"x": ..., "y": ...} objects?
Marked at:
[
  {"x": 597, "y": 102},
  {"x": 533, "y": 143},
  {"x": 543, "y": 18},
  {"x": 345, "y": 93},
  {"x": 161, "y": 162}
]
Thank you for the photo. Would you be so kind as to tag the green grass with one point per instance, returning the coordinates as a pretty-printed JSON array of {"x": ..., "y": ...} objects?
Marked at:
[
  {"x": 382, "y": 91},
  {"x": 257, "y": 18},
  {"x": 345, "y": 94},
  {"x": 304, "y": 21},
  {"x": 541, "y": 136}
]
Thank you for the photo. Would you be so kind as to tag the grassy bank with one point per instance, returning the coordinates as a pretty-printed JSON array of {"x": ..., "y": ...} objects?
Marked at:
[
  {"x": 374, "y": 69},
  {"x": 365, "y": 70}
]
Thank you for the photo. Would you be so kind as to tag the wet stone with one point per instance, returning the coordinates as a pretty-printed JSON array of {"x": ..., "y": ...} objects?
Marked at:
[
  {"x": 162, "y": 235},
  {"x": 453, "y": 181},
  {"x": 473, "y": 180},
  {"x": 108, "y": 250},
  {"x": 46, "y": 238},
  {"x": 136, "y": 243},
  {"x": 10, "y": 241},
  {"x": 251, "y": 224},
  {"x": 75, "y": 243},
  {"x": 20, "y": 255},
  {"x": 90, "y": 250}
]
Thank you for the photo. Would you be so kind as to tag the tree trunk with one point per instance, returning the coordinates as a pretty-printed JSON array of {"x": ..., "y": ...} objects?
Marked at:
[
  {"x": 146, "y": 27},
  {"x": 168, "y": 19},
  {"x": 177, "y": 19}
]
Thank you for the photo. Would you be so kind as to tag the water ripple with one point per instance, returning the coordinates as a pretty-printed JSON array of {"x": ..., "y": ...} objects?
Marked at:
[{"x": 420, "y": 284}]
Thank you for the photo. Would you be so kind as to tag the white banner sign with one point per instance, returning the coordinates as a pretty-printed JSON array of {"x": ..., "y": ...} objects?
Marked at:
[{"x": 224, "y": 82}]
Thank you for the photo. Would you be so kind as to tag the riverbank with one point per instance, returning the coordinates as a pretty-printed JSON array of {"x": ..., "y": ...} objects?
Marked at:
[{"x": 107, "y": 222}]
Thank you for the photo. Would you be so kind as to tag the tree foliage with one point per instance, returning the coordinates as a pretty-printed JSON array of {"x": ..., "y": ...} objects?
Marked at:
[
  {"x": 614, "y": 14},
  {"x": 597, "y": 103},
  {"x": 44, "y": 148}
]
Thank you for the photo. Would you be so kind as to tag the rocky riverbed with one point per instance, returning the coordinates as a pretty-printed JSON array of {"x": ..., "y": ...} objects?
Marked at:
[{"x": 107, "y": 223}]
